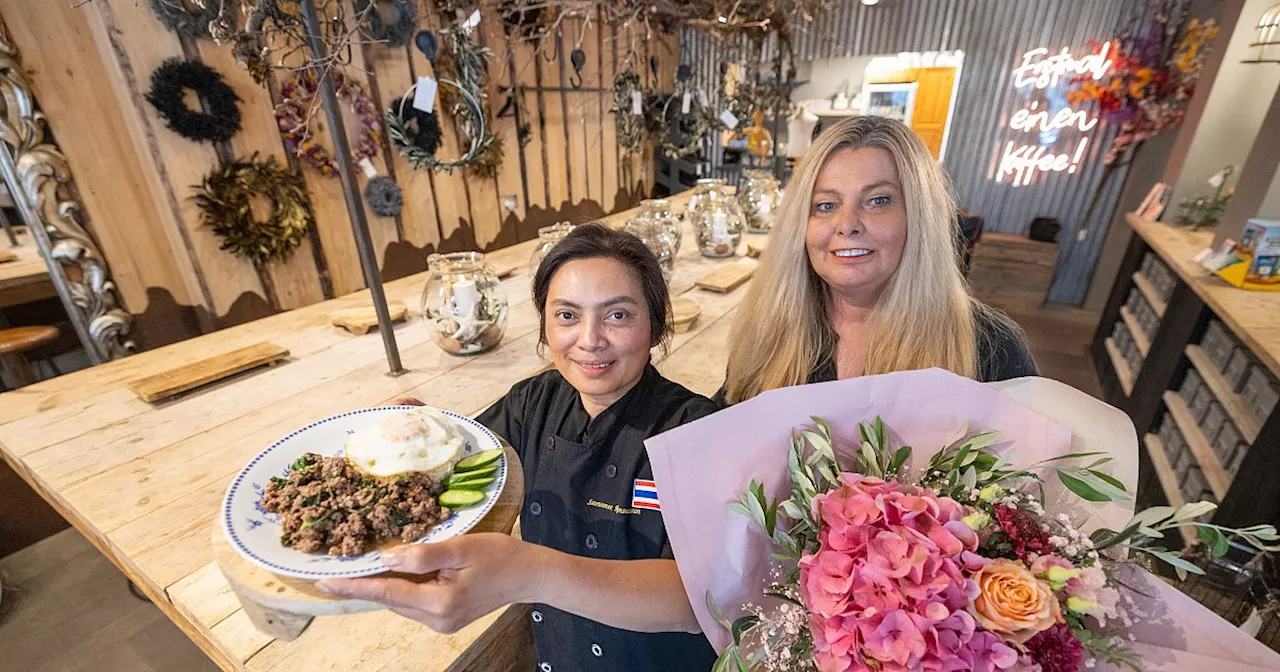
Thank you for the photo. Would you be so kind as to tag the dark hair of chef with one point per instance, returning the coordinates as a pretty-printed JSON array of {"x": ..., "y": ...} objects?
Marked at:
[{"x": 597, "y": 241}]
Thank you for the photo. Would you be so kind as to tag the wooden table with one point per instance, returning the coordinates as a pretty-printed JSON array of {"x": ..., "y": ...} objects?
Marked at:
[
  {"x": 143, "y": 482},
  {"x": 27, "y": 278},
  {"x": 1253, "y": 316}
]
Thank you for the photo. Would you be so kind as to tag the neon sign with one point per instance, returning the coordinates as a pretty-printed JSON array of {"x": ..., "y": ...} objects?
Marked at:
[{"x": 1020, "y": 162}]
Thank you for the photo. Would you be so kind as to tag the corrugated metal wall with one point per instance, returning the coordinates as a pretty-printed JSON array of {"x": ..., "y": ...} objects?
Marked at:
[{"x": 993, "y": 35}]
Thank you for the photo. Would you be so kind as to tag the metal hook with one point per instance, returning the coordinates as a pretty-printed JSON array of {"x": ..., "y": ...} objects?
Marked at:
[
  {"x": 578, "y": 58},
  {"x": 653, "y": 67}
]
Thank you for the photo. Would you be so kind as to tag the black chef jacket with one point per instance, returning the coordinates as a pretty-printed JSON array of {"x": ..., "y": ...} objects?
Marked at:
[{"x": 580, "y": 475}]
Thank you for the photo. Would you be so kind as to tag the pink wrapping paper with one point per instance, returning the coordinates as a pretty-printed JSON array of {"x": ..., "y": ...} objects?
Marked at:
[{"x": 702, "y": 467}]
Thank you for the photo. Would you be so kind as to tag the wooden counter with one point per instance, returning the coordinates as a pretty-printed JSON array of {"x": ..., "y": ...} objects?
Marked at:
[
  {"x": 143, "y": 482},
  {"x": 1253, "y": 316},
  {"x": 25, "y": 278}
]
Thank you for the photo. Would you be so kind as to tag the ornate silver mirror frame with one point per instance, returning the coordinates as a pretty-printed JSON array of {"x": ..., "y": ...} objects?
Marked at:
[{"x": 40, "y": 181}]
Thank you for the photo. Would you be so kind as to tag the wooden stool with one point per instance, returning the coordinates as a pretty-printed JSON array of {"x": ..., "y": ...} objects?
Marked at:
[{"x": 15, "y": 342}]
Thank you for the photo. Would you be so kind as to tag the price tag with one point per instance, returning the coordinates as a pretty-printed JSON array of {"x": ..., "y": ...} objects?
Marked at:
[
  {"x": 367, "y": 166},
  {"x": 424, "y": 97},
  {"x": 702, "y": 98},
  {"x": 684, "y": 103},
  {"x": 472, "y": 21},
  {"x": 730, "y": 121},
  {"x": 636, "y": 107}
]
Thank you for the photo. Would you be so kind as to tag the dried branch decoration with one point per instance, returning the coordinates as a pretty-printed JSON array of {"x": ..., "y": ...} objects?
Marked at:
[
  {"x": 225, "y": 200},
  {"x": 394, "y": 34},
  {"x": 210, "y": 19},
  {"x": 630, "y": 125}
]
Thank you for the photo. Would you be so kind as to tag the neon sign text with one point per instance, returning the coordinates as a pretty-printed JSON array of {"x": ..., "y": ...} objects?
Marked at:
[
  {"x": 1043, "y": 72},
  {"x": 1024, "y": 161},
  {"x": 1029, "y": 120}
]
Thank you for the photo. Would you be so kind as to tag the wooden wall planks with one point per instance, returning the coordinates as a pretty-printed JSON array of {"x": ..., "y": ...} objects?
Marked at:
[{"x": 137, "y": 177}]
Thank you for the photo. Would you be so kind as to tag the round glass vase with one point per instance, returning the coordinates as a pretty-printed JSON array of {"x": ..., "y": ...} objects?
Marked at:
[
  {"x": 463, "y": 303},
  {"x": 702, "y": 190},
  {"x": 548, "y": 236},
  {"x": 759, "y": 197},
  {"x": 718, "y": 224},
  {"x": 656, "y": 238},
  {"x": 659, "y": 211}
]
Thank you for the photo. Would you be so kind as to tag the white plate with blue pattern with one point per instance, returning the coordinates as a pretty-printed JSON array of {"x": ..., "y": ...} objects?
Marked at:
[{"x": 255, "y": 533}]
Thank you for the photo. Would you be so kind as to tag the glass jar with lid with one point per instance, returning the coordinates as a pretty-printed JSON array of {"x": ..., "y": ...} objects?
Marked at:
[
  {"x": 656, "y": 238},
  {"x": 463, "y": 303},
  {"x": 718, "y": 222},
  {"x": 659, "y": 210},
  {"x": 548, "y": 236},
  {"x": 759, "y": 197},
  {"x": 702, "y": 191}
]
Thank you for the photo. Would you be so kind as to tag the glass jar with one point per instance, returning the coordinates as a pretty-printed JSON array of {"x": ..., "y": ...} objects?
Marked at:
[
  {"x": 718, "y": 223},
  {"x": 701, "y": 192},
  {"x": 656, "y": 238},
  {"x": 659, "y": 210},
  {"x": 759, "y": 198},
  {"x": 464, "y": 303},
  {"x": 548, "y": 236}
]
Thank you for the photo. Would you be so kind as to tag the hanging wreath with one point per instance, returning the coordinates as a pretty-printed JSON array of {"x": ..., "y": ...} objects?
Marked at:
[
  {"x": 167, "y": 85},
  {"x": 399, "y": 31},
  {"x": 630, "y": 125},
  {"x": 209, "y": 19},
  {"x": 384, "y": 196},
  {"x": 225, "y": 199},
  {"x": 416, "y": 134},
  {"x": 294, "y": 112},
  {"x": 681, "y": 133}
]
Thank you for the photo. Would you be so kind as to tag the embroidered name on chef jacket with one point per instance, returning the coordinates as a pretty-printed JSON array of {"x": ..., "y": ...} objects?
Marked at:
[{"x": 645, "y": 495}]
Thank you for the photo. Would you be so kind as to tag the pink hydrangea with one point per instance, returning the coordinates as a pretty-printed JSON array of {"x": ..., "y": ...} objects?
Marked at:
[{"x": 887, "y": 587}]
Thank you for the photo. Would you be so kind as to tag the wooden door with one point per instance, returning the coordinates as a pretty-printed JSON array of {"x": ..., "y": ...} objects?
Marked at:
[{"x": 933, "y": 101}]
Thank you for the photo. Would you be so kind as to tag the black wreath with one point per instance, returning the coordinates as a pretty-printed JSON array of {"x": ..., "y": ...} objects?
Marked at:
[
  {"x": 398, "y": 32},
  {"x": 384, "y": 196},
  {"x": 188, "y": 21},
  {"x": 167, "y": 84}
]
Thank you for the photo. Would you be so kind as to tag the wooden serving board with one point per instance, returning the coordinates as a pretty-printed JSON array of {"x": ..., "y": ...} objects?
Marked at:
[
  {"x": 503, "y": 270},
  {"x": 283, "y": 606},
  {"x": 190, "y": 376},
  {"x": 728, "y": 277},
  {"x": 684, "y": 313},
  {"x": 363, "y": 319}
]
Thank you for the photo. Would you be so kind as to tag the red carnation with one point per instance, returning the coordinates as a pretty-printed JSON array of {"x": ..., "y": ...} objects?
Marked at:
[
  {"x": 1023, "y": 531},
  {"x": 1056, "y": 650}
]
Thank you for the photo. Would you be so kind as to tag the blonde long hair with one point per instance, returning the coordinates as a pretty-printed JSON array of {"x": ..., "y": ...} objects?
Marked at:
[{"x": 925, "y": 317}]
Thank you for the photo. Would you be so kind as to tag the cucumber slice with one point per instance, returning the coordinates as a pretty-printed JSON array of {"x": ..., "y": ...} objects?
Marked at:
[
  {"x": 481, "y": 459},
  {"x": 474, "y": 473},
  {"x": 471, "y": 483},
  {"x": 457, "y": 499}
]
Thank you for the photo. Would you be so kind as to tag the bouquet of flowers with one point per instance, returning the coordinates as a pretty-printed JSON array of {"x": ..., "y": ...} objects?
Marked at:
[
  {"x": 1154, "y": 73},
  {"x": 957, "y": 566}
]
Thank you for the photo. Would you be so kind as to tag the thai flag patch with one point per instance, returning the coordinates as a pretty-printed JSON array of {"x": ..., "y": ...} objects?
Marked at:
[{"x": 645, "y": 495}]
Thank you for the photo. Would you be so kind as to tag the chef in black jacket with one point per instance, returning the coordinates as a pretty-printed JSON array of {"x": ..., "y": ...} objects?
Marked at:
[{"x": 595, "y": 562}]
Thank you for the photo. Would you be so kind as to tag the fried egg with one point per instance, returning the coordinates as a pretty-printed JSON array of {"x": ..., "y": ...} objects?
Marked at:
[{"x": 416, "y": 440}]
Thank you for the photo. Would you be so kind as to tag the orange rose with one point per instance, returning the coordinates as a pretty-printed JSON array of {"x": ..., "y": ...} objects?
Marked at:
[{"x": 1012, "y": 602}]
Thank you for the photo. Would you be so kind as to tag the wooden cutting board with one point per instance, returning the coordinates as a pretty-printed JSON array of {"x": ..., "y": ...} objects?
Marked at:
[
  {"x": 684, "y": 314},
  {"x": 190, "y": 376},
  {"x": 7, "y": 255},
  {"x": 728, "y": 277},
  {"x": 363, "y": 319},
  {"x": 282, "y": 606},
  {"x": 503, "y": 270}
]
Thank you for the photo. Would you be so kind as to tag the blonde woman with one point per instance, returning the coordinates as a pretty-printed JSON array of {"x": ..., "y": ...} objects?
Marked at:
[{"x": 862, "y": 277}]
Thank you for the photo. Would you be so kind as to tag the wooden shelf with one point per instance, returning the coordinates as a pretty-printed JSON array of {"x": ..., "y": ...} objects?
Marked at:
[
  {"x": 1210, "y": 466},
  {"x": 1231, "y": 402},
  {"x": 1168, "y": 480},
  {"x": 1121, "y": 366},
  {"x": 1149, "y": 290},
  {"x": 1139, "y": 336}
]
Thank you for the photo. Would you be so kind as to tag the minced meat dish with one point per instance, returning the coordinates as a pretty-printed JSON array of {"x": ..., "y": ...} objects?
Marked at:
[{"x": 325, "y": 503}]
